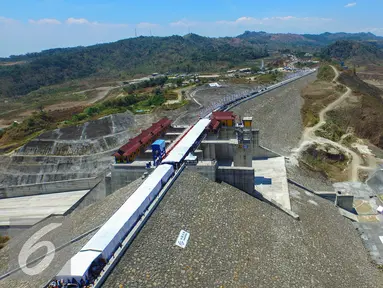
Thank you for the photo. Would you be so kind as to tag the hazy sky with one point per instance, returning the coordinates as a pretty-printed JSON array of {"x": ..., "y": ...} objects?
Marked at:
[{"x": 34, "y": 25}]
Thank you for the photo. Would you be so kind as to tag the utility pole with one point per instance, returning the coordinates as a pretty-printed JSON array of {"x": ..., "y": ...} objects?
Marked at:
[{"x": 135, "y": 32}]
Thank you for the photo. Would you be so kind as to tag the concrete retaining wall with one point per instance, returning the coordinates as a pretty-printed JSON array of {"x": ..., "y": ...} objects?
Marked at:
[
  {"x": 208, "y": 171},
  {"x": 49, "y": 187},
  {"x": 96, "y": 194},
  {"x": 262, "y": 152},
  {"x": 375, "y": 182},
  {"x": 124, "y": 174},
  {"x": 239, "y": 177}
]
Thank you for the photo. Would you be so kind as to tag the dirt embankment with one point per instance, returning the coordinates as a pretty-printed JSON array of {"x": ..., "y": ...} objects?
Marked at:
[
  {"x": 319, "y": 94},
  {"x": 316, "y": 97},
  {"x": 363, "y": 112},
  {"x": 356, "y": 113}
]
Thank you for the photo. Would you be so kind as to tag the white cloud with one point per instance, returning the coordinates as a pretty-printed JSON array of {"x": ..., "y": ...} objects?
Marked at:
[
  {"x": 7, "y": 20},
  {"x": 242, "y": 21},
  {"x": 350, "y": 5},
  {"x": 78, "y": 21},
  {"x": 250, "y": 21},
  {"x": 146, "y": 25},
  {"x": 185, "y": 23},
  {"x": 45, "y": 21},
  {"x": 286, "y": 18}
]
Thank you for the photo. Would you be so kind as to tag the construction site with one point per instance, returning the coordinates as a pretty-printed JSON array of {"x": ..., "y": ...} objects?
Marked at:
[{"x": 210, "y": 197}]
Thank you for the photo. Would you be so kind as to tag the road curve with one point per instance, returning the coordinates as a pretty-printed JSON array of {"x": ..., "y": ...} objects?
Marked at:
[{"x": 309, "y": 136}]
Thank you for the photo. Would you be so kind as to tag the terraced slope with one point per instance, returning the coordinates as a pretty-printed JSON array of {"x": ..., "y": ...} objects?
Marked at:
[{"x": 70, "y": 153}]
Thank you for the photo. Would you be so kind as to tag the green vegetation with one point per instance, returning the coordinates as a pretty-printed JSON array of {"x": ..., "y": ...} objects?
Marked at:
[
  {"x": 158, "y": 81},
  {"x": 340, "y": 88},
  {"x": 328, "y": 160},
  {"x": 354, "y": 52},
  {"x": 326, "y": 73},
  {"x": 317, "y": 96},
  {"x": 330, "y": 131},
  {"x": 287, "y": 43},
  {"x": 3, "y": 241},
  {"x": 310, "y": 118},
  {"x": 349, "y": 139},
  {"x": 18, "y": 134},
  {"x": 269, "y": 77},
  {"x": 136, "y": 56},
  {"x": 305, "y": 64}
]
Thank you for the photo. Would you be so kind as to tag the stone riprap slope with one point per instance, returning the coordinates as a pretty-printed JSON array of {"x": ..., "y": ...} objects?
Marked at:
[
  {"x": 277, "y": 115},
  {"x": 238, "y": 241}
]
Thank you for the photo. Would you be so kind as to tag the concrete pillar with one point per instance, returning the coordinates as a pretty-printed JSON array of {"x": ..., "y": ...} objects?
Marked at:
[
  {"x": 239, "y": 177},
  {"x": 255, "y": 138},
  {"x": 108, "y": 184},
  {"x": 243, "y": 155}
]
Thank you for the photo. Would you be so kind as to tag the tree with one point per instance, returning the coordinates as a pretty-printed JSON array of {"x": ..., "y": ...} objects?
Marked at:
[
  {"x": 40, "y": 107},
  {"x": 179, "y": 81},
  {"x": 255, "y": 69}
]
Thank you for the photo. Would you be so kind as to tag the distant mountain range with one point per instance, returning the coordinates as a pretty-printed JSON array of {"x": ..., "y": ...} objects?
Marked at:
[
  {"x": 144, "y": 55},
  {"x": 305, "y": 41}
]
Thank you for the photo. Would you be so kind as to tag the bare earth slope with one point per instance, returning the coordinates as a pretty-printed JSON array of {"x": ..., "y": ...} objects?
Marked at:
[{"x": 365, "y": 113}]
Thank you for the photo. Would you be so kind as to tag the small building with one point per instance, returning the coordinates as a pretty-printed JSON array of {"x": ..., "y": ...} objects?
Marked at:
[
  {"x": 225, "y": 118},
  {"x": 243, "y": 70},
  {"x": 247, "y": 122}
]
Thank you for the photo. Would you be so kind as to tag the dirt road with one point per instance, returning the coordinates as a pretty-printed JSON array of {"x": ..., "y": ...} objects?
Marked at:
[{"x": 309, "y": 136}]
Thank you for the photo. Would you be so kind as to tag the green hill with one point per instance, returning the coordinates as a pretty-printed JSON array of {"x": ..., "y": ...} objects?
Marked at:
[
  {"x": 128, "y": 57},
  {"x": 354, "y": 52},
  {"x": 176, "y": 54}
]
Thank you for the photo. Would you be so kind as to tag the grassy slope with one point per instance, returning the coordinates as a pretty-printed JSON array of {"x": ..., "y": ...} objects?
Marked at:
[
  {"x": 318, "y": 95},
  {"x": 363, "y": 115}
]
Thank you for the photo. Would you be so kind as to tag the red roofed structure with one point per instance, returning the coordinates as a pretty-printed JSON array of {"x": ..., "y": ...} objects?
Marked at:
[
  {"x": 226, "y": 118},
  {"x": 128, "y": 152}
]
